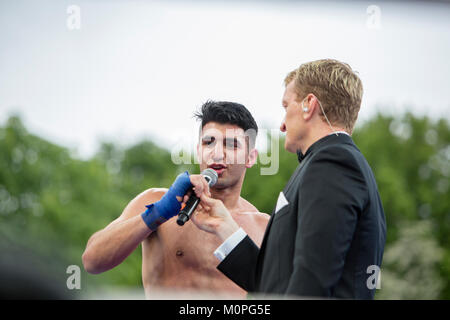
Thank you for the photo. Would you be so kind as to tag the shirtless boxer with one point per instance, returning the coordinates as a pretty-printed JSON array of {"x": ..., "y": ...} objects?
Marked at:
[{"x": 175, "y": 257}]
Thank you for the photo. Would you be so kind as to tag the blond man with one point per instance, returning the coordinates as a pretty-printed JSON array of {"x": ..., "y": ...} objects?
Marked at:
[{"x": 327, "y": 232}]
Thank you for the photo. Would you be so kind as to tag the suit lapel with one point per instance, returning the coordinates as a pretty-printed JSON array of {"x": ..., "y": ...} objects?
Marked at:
[
  {"x": 266, "y": 233},
  {"x": 330, "y": 139}
]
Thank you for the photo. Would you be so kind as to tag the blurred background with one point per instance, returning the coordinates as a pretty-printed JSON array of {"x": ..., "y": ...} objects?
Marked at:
[{"x": 95, "y": 96}]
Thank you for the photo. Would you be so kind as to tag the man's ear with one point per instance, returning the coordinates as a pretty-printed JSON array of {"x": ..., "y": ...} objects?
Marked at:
[
  {"x": 310, "y": 102},
  {"x": 252, "y": 157}
]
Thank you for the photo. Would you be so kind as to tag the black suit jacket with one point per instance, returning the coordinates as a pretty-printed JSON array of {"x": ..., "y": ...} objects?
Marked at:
[{"x": 325, "y": 242}]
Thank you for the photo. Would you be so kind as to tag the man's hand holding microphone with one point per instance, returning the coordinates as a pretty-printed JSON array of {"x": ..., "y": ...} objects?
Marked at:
[
  {"x": 212, "y": 216},
  {"x": 207, "y": 214}
]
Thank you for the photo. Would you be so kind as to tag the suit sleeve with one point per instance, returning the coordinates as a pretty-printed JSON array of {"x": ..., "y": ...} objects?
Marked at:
[
  {"x": 332, "y": 194},
  {"x": 240, "y": 264}
]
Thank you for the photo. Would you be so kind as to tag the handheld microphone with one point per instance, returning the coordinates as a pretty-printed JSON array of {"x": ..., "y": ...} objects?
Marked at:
[{"x": 211, "y": 177}]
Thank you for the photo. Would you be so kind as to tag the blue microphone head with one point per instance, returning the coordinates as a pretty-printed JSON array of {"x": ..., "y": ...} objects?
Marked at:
[{"x": 210, "y": 176}]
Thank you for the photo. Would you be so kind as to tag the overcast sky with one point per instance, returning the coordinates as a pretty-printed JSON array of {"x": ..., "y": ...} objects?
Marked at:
[{"x": 139, "y": 69}]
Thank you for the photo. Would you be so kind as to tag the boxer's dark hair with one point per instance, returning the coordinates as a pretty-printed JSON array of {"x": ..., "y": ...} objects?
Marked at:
[{"x": 225, "y": 112}]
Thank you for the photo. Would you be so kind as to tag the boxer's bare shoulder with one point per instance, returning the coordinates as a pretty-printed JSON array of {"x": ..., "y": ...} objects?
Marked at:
[
  {"x": 246, "y": 208},
  {"x": 137, "y": 205},
  {"x": 151, "y": 195},
  {"x": 251, "y": 220}
]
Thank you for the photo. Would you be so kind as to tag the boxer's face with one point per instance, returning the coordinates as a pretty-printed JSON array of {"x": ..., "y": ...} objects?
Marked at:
[
  {"x": 225, "y": 149},
  {"x": 293, "y": 123}
]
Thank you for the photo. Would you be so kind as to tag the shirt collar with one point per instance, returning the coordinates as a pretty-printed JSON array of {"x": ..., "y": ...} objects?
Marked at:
[{"x": 316, "y": 144}]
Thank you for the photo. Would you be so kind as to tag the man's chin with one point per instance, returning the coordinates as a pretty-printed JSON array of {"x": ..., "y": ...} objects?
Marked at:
[
  {"x": 223, "y": 183},
  {"x": 289, "y": 147},
  {"x": 220, "y": 186}
]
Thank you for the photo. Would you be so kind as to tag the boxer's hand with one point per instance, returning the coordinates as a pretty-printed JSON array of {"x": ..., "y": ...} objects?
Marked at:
[
  {"x": 199, "y": 185},
  {"x": 169, "y": 205},
  {"x": 212, "y": 216}
]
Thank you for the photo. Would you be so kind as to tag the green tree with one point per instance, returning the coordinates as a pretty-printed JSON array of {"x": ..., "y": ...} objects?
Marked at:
[{"x": 410, "y": 158}]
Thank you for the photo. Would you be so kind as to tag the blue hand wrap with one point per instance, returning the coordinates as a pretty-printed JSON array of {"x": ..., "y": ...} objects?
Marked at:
[{"x": 161, "y": 211}]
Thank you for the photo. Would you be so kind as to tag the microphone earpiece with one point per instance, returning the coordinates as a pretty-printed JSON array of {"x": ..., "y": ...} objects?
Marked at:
[{"x": 305, "y": 109}]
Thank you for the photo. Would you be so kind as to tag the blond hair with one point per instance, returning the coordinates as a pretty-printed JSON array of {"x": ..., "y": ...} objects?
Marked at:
[{"x": 335, "y": 84}]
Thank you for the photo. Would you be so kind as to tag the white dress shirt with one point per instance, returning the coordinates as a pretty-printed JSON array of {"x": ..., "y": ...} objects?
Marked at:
[{"x": 228, "y": 245}]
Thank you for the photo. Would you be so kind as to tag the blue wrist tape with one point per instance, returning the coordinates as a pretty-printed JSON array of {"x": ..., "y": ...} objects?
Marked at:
[{"x": 161, "y": 211}]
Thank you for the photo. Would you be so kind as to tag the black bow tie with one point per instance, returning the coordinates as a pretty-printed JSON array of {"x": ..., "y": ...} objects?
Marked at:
[{"x": 300, "y": 156}]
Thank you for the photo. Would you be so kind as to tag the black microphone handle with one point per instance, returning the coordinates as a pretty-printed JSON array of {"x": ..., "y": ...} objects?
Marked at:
[{"x": 188, "y": 209}]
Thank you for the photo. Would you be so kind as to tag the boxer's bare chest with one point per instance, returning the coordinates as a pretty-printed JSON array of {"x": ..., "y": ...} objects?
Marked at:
[
  {"x": 187, "y": 245},
  {"x": 182, "y": 257}
]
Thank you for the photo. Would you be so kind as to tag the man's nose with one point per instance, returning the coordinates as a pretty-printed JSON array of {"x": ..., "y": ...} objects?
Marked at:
[
  {"x": 218, "y": 152},
  {"x": 283, "y": 126}
]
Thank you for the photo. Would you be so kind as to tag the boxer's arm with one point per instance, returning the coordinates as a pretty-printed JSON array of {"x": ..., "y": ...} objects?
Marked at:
[{"x": 110, "y": 246}]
